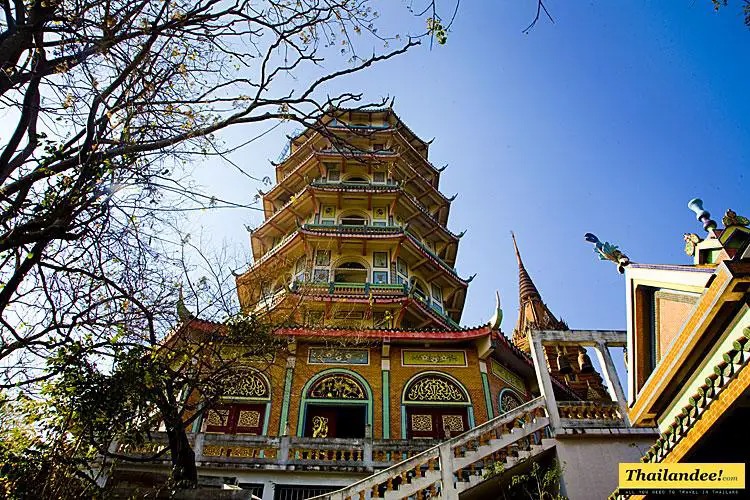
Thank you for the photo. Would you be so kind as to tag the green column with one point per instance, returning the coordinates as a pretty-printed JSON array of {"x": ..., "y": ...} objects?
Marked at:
[
  {"x": 487, "y": 396},
  {"x": 386, "y": 402},
  {"x": 287, "y": 395}
]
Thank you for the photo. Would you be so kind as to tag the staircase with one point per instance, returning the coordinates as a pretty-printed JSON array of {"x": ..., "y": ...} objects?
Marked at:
[{"x": 458, "y": 463}]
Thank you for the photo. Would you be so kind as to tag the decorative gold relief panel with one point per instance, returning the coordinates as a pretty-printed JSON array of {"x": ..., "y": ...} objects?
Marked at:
[
  {"x": 433, "y": 358},
  {"x": 320, "y": 427},
  {"x": 246, "y": 384},
  {"x": 249, "y": 418},
  {"x": 453, "y": 423},
  {"x": 337, "y": 387},
  {"x": 421, "y": 423},
  {"x": 435, "y": 389},
  {"x": 218, "y": 418}
]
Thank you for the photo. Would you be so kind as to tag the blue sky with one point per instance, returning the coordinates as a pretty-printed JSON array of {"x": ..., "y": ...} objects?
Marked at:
[{"x": 607, "y": 121}]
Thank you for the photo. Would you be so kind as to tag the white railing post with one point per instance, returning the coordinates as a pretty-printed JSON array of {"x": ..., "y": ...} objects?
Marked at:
[
  {"x": 198, "y": 446},
  {"x": 367, "y": 448},
  {"x": 611, "y": 378},
  {"x": 448, "y": 491},
  {"x": 545, "y": 381},
  {"x": 283, "y": 456}
]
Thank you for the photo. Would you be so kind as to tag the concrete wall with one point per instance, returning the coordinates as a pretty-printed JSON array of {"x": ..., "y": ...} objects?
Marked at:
[{"x": 590, "y": 464}]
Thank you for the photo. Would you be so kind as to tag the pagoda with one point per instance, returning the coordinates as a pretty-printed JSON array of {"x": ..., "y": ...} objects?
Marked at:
[
  {"x": 355, "y": 231},
  {"x": 354, "y": 268}
]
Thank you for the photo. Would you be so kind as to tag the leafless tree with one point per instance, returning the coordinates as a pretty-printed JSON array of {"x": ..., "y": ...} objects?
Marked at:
[
  {"x": 104, "y": 102},
  {"x": 105, "y": 99}
]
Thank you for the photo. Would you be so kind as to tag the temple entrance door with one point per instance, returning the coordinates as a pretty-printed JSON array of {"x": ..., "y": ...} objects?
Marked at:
[
  {"x": 344, "y": 421},
  {"x": 435, "y": 422},
  {"x": 236, "y": 419}
]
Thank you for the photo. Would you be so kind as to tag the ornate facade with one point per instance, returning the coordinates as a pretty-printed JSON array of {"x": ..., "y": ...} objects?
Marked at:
[{"x": 356, "y": 262}]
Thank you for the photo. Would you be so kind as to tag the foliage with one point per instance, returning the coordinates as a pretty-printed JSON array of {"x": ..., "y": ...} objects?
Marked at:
[
  {"x": 35, "y": 461},
  {"x": 107, "y": 103},
  {"x": 539, "y": 483},
  {"x": 718, "y": 4}
]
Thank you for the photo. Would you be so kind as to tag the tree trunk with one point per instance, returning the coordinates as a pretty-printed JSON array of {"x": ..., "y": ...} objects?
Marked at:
[{"x": 184, "y": 471}]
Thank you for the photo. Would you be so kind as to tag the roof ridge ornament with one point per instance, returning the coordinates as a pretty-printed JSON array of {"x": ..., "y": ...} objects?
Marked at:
[
  {"x": 696, "y": 205},
  {"x": 732, "y": 219},
  {"x": 183, "y": 313},
  {"x": 608, "y": 251},
  {"x": 691, "y": 243},
  {"x": 497, "y": 318}
]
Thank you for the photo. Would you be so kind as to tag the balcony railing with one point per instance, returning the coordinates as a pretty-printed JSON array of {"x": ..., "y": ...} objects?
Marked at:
[
  {"x": 385, "y": 186},
  {"x": 590, "y": 414},
  {"x": 333, "y": 288},
  {"x": 344, "y": 228},
  {"x": 365, "y": 289},
  {"x": 392, "y": 229},
  {"x": 235, "y": 450}
]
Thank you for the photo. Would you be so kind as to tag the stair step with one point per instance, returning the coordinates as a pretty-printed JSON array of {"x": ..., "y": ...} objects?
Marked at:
[
  {"x": 548, "y": 443},
  {"x": 475, "y": 479},
  {"x": 463, "y": 485},
  {"x": 485, "y": 450},
  {"x": 463, "y": 462},
  {"x": 406, "y": 490}
]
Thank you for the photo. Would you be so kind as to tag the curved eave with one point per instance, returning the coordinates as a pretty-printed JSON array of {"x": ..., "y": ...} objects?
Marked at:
[
  {"x": 389, "y": 115},
  {"x": 282, "y": 185},
  {"x": 279, "y": 221},
  {"x": 434, "y": 315},
  {"x": 314, "y": 293},
  {"x": 394, "y": 233},
  {"x": 395, "y": 132}
]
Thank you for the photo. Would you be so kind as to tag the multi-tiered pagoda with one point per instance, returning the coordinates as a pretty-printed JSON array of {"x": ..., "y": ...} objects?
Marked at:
[
  {"x": 355, "y": 231},
  {"x": 355, "y": 265}
]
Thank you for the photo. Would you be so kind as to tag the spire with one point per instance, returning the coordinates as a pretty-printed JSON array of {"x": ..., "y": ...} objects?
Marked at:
[
  {"x": 526, "y": 287},
  {"x": 532, "y": 311}
]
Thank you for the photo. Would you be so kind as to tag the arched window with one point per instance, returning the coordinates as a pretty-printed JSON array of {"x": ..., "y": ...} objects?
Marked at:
[
  {"x": 350, "y": 272},
  {"x": 244, "y": 404},
  {"x": 435, "y": 406},
  {"x": 509, "y": 400},
  {"x": 335, "y": 404},
  {"x": 337, "y": 386},
  {"x": 435, "y": 388}
]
